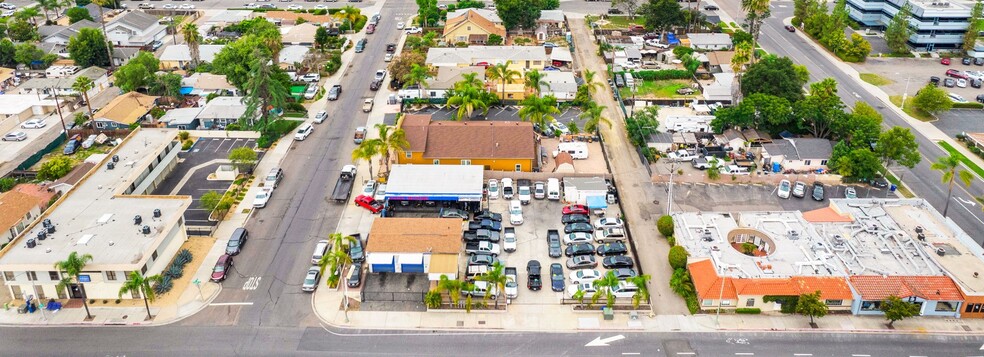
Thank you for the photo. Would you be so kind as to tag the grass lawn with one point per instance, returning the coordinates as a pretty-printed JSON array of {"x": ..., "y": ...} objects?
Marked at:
[
  {"x": 902, "y": 189},
  {"x": 911, "y": 109},
  {"x": 875, "y": 79},
  {"x": 658, "y": 89},
  {"x": 618, "y": 22},
  {"x": 970, "y": 164}
]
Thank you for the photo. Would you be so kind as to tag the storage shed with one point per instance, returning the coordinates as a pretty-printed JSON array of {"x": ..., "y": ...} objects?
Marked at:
[{"x": 578, "y": 189}]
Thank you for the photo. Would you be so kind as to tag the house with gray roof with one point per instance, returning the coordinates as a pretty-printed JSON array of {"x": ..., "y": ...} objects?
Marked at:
[
  {"x": 798, "y": 154},
  {"x": 63, "y": 86},
  {"x": 710, "y": 41},
  {"x": 551, "y": 23},
  {"x": 562, "y": 85},
  {"x": 61, "y": 34},
  {"x": 490, "y": 15},
  {"x": 135, "y": 29},
  {"x": 222, "y": 111},
  {"x": 522, "y": 57}
]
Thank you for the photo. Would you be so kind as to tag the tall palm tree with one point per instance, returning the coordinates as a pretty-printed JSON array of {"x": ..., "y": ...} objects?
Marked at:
[
  {"x": 351, "y": 14},
  {"x": 418, "y": 75},
  {"x": 468, "y": 80},
  {"x": 453, "y": 287},
  {"x": 604, "y": 288},
  {"x": 593, "y": 112},
  {"x": 539, "y": 110},
  {"x": 390, "y": 139},
  {"x": 47, "y": 5},
  {"x": 334, "y": 261},
  {"x": 73, "y": 266},
  {"x": 83, "y": 85},
  {"x": 642, "y": 283},
  {"x": 950, "y": 167},
  {"x": 534, "y": 82},
  {"x": 366, "y": 150},
  {"x": 503, "y": 74},
  {"x": 756, "y": 11},
  {"x": 28, "y": 14},
  {"x": 496, "y": 278},
  {"x": 468, "y": 99},
  {"x": 271, "y": 40},
  {"x": 191, "y": 36},
  {"x": 141, "y": 285},
  {"x": 109, "y": 48},
  {"x": 589, "y": 81}
]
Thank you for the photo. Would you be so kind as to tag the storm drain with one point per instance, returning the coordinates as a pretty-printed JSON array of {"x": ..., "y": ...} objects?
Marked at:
[{"x": 461, "y": 323}]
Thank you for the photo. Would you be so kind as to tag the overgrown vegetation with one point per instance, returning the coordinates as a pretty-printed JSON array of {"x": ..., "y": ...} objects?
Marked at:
[{"x": 828, "y": 28}]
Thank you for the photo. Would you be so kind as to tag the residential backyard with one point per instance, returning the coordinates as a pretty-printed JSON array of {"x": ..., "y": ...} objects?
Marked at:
[
  {"x": 659, "y": 89},
  {"x": 615, "y": 22}
]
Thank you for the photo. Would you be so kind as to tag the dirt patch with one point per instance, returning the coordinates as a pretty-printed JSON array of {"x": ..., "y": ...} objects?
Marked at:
[{"x": 199, "y": 247}]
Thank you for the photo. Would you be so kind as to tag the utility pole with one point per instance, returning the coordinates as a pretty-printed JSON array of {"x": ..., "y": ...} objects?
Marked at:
[{"x": 61, "y": 119}]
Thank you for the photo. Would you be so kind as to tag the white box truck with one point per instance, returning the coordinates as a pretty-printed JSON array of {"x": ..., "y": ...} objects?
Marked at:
[{"x": 553, "y": 189}]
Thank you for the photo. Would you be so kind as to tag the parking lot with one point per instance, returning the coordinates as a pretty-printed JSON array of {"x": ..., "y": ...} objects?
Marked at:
[
  {"x": 190, "y": 177},
  {"x": 755, "y": 197},
  {"x": 960, "y": 121},
  {"x": 917, "y": 71}
]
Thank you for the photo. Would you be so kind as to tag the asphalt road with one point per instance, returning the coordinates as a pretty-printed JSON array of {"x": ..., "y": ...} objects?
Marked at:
[{"x": 923, "y": 181}]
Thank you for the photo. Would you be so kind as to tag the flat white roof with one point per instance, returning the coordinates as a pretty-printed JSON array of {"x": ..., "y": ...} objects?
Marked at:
[
  {"x": 97, "y": 218},
  {"x": 435, "y": 182},
  {"x": 11, "y": 104}
]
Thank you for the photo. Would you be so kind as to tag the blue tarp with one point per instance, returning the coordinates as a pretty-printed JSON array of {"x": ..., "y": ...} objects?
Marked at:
[
  {"x": 597, "y": 202},
  {"x": 671, "y": 39},
  {"x": 186, "y": 90}
]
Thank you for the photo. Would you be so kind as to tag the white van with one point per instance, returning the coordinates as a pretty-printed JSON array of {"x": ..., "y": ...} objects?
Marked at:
[
  {"x": 629, "y": 81},
  {"x": 319, "y": 251},
  {"x": 515, "y": 212},
  {"x": 553, "y": 189},
  {"x": 303, "y": 131},
  {"x": 578, "y": 150}
]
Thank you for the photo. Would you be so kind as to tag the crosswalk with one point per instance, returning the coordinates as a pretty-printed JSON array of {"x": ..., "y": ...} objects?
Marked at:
[{"x": 252, "y": 283}]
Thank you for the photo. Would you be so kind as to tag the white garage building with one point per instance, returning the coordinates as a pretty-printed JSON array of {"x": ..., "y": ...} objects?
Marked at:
[{"x": 415, "y": 245}]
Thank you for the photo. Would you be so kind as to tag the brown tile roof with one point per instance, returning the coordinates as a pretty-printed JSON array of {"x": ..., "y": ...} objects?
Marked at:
[
  {"x": 41, "y": 193},
  {"x": 415, "y": 128},
  {"x": 415, "y": 235},
  {"x": 825, "y": 214},
  {"x": 127, "y": 108},
  {"x": 13, "y": 206},
  {"x": 471, "y": 139},
  {"x": 563, "y": 158},
  {"x": 876, "y": 287},
  {"x": 75, "y": 175},
  {"x": 475, "y": 19},
  {"x": 830, "y": 288},
  {"x": 716, "y": 58},
  {"x": 708, "y": 285}
]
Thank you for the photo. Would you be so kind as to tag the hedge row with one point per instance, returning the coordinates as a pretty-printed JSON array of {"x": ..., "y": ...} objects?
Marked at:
[
  {"x": 748, "y": 310},
  {"x": 968, "y": 105}
]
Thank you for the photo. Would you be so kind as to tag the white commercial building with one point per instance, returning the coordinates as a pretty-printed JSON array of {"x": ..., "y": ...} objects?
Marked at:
[{"x": 936, "y": 24}]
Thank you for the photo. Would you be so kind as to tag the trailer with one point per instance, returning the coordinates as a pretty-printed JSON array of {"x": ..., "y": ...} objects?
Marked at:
[{"x": 343, "y": 187}]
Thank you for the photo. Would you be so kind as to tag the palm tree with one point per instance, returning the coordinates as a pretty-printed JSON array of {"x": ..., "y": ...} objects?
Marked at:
[
  {"x": 351, "y": 14},
  {"x": 502, "y": 73},
  {"x": 453, "y": 287},
  {"x": 756, "y": 11},
  {"x": 468, "y": 99},
  {"x": 28, "y": 14},
  {"x": 539, "y": 110},
  {"x": 593, "y": 112},
  {"x": 366, "y": 150},
  {"x": 496, "y": 278},
  {"x": 418, "y": 75},
  {"x": 192, "y": 38},
  {"x": 83, "y": 85},
  {"x": 73, "y": 266},
  {"x": 641, "y": 282},
  {"x": 743, "y": 54},
  {"x": 604, "y": 288},
  {"x": 109, "y": 51},
  {"x": 468, "y": 80},
  {"x": 141, "y": 285},
  {"x": 534, "y": 82},
  {"x": 271, "y": 40},
  {"x": 335, "y": 261},
  {"x": 950, "y": 167},
  {"x": 395, "y": 140},
  {"x": 48, "y": 5},
  {"x": 589, "y": 81}
]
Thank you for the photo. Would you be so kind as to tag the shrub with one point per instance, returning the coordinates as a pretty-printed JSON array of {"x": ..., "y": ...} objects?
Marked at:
[
  {"x": 118, "y": 301},
  {"x": 662, "y": 74},
  {"x": 7, "y": 184},
  {"x": 92, "y": 301},
  {"x": 175, "y": 271},
  {"x": 671, "y": 240},
  {"x": 748, "y": 310},
  {"x": 55, "y": 168},
  {"x": 433, "y": 299},
  {"x": 183, "y": 135},
  {"x": 678, "y": 257},
  {"x": 187, "y": 145},
  {"x": 665, "y": 225},
  {"x": 969, "y": 105}
]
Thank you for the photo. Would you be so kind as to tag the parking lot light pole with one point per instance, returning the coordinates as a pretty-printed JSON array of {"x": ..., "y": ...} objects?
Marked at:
[
  {"x": 905, "y": 94},
  {"x": 54, "y": 94},
  {"x": 669, "y": 195}
]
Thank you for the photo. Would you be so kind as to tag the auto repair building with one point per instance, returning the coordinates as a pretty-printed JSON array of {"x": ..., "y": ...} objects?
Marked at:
[
  {"x": 415, "y": 245},
  {"x": 431, "y": 187}
]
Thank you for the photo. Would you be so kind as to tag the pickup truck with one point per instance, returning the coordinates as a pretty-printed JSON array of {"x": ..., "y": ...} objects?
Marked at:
[
  {"x": 509, "y": 240},
  {"x": 343, "y": 187},
  {"x": 734, "y": 170},
  {"x": 482, "y": 247},
  {"x": 533, "y": 282},
  {"x": 681, "y": 155},
  {"x": 512, "y": 286},
  {"x": 702, "y": 163},
  {"x": 480, "y": 234}
]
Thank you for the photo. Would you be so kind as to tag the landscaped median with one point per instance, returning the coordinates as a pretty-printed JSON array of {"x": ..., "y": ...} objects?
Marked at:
[{"x": 963, "y": 159}]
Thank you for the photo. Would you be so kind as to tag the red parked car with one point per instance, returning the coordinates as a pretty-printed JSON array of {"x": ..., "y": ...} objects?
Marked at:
[
  {"x": 221, "y": 269},
  {"x": 368, "y": 203},
  {"x": 955, "y": 74},
  {"x": 945, "y": 61},
  {"x": 576, "y": 209}
]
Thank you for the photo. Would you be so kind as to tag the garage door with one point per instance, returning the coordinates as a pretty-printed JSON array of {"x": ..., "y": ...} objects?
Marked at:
[
  {"x": 383, "y": 266},
  {"x": 412, "y": 263},
  {"x": 412, "y": 268}
]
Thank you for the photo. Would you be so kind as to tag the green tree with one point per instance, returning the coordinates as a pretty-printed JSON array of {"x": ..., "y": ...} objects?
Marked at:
[
  {"x": 73, "y": 266},
  {"x": 539, "y": 111},
  {"x": 713, "y": 169},
  {"x": 210, "y": 200},
  {"x": 860, "y": 128},
  {"x": 759, "y": 111},
  {"x": 950, "y": 167},
  {"x": 859, "y": 163},
  {"x": 366, "y": 151},
  {"x": 321, "y": 37},
  {"x": 519, "y": 14},
  {"x": 898, "y": 31},
  {"x": 590, "y": 83},
  {"x": 898, "y": 145},
  {"x": 141, "y": 285},
  {"x": 494, "y": 40},
  {"x": 402, "y": 64},
  {"x": 896, "y": 309},
  {"x": 7, "y": 53},
  {"x": 593, "y": 113},
  {"x": 534, "y": 83},
  {"x": 166, "y": 84},
  {"x": 453, "y": 288},
  {"x": 932, "y": 100},
  {"x": 756, "y": 11},
  {"x": 88, "y": 48},
  {"x": 77, "y": 14},
  {"x": 418, "y": 75},
  {"x": 83, "y": 85},
  {"x": 55, "y": 168},
  {"x": 822, "y": 109},
  {"x": 236, "y": 58},
  {"x": 662, "y": 15},
  {"x": 501, "y": 72},
  {"x": 334, "y": 262},
  {"x": 628, "y": 6},
  {"x": 496, "y": 278},
  {"x": 26, "y": 53},
  {"x": 743, "y": 56},
  {"x": 390, "y": 139},
  {"x": 665, "y": 225},
  {"x": 811, "y": 305},
  {"x": 427, "y": 12},
  {"x": 467, "y": 99},
  {"x": 21, "y": 31},
  {"x": 27, "y": 14},
  {"x": 642, "y": 282},
  {"x": 740, "y": 37},
  {"x": 603, "y": 288},
  {"x": 7, "y": 184},
  {"x": 970, "y": 36},
  {"x": 243, "y": 157},
  {"x": 132, "y": 76},
  {"x": 432, "y": 299},
  {"x": 678, "y": 257},
  {"x": 263, "y": 92},
  {"x": 681, "y": 283},
  {"x": 189, "y": 32},
  {"x": 421, "y": 43},
  {"x": 776, "y": 76}
]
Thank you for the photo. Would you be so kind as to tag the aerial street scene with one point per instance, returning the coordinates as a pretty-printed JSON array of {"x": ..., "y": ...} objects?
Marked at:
[{"x": 522, "y": 177}]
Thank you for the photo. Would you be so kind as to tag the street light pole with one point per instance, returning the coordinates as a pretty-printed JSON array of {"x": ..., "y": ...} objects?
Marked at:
[
  {"x": 905, "y": 94},
  {"x": 669, "y": 192},
  {"x": 61, "y": 119}
]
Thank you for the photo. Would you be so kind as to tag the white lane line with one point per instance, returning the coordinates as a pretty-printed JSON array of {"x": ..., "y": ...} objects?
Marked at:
[
  {"x": 630, "y": 353},
  {"x": 860, "y": 355},
  {"x": 802, "y": 354},
  {"x": 744, "y": 354},
  {"x": 230, "y": 304},
  {"x": 686, "y": 353}
]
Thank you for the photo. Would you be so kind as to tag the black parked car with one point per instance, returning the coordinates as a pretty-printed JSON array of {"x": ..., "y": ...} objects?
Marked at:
[
  {"x": 966, "y": 61},
  {"x": 481, "y": 234},
  {"x": 618, "y": 261},
  {"x": 881, "y": 182},
  {"x": 934, "y": 80},
  {"x": 575, "y": 218},
  {"x": 533, "y": 281},
  {"x": 979, "y": 61},
  {"x": 578, "y": 227},
  {"x": 579, "y": 249},
  {"x": 553, "y": 243},
  {"x": 356, "y": 277},
  {"x": 556, "y": 277},
  {"x": 616, "y": 248},
  {"x": 486, "y": 214},
  {"x": 355, "y": 250},
  {"x": 485, "y": 224},
  {"x": 817, "y": 191}
]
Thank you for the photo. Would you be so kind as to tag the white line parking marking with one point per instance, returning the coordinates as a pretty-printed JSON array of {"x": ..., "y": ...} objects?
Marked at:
[{"x": 230, "y": 304}]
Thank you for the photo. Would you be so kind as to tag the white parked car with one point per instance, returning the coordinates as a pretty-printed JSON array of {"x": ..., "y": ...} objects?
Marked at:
[
  {"x": 609, "y": 222},
  {"x": 34, "y": 124},
  {"x": 515, "y": 212},
  {"x": 784, "y": 189},
  {"x": 311, "y": 77},
  {"x": 294, "y": 7},
  {"x": 252, "y": 6},
  {"x": 962, "y": 83},
  {"x": 413, "y": 30},
  {"x": 509, "y": 240},
  {"x": 186, "y": 6},
  {"x": 263, "y": 197},
  {"x": 585, "y": 276},
  {"x": 320, "y": 117},
  {"x": 380, "y": 192},
  {"x": 507, "y": 188},
  {"x": 388, "y": 57},
  {"x": 399, "y": 25},
  {"x": 321, "y": 7},
  {"x": 578, "y": 237},
  {"x": 956, "y": 98},
  {"x": 369, "y": 189},
  {"x": 493, "y": 189},
  {"x": 588, "y": 288},
  {"x": 169, "y": 6}
]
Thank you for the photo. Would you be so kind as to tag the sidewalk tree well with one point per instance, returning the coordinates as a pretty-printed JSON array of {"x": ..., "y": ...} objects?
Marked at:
[
  {"x": 950, "y": 167},
  {"x": 243, "y": 157},
  {"x": 579, "y": 297},
  {"x": 678, "y": 257},
  {"x": 73, "y": 266},
  {"x": 665, "y": 225},
  {"x": 896, "y": 309},
  {"x": 141, "y": 285},
  {"x": 811, "y": 305}
]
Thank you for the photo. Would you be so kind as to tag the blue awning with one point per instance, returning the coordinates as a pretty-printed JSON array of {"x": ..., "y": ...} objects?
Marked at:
[
  {"x": 186, "y": 90},
  {"x": 597, "y": 202}
]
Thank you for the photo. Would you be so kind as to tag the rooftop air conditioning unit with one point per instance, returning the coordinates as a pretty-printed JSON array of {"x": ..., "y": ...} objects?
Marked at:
[
  {"x": 157, "y": 213},
  {"x": 31, "y": 243},
  {"x": 145, "y": 230},
  {"x": 137, "y": 220},
  {"x": 42, "y": 235}
]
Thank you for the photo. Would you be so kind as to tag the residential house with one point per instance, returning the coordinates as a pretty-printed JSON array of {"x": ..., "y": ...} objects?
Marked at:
[
  {"x": 721, "y": 90},
  {"x": 228, "y": 17},
  {"x": 122, "y": 55},
  {"x": 472, "y": 28},
  {"x": 60, "y": 35},
  {"x": 290, "y": 17},
  {"x": 63, "y": 86},
  {"x": 710, "y": 41},
  {"x": 718, "y": 61},
  {"x": 203, "y": 84},
  {"x": 302, "y": 34},
  {"x": 799, "y": 154},
  {"x": 135, "y": 29},
  {"x": 179, "y": 56},
  {"x": 7, "y": 78},
  {"x": 17, "y": 211},
  {"x": 16, "y": 108},
  {"x": 935, "y": 295},
  {"x": 730, "y": 138},
  {"x": 445, "y": 79},
  {"x": 562, "y": 85},
  {"x": 222, "y": 111},
  {"x": 550, "y": 24},
  {"x": 487, "y": 14},
  {"x": 41, "y": 192},
  {"x": 523, "y": 57},
  {"x": 496, "y": 145},
  {"x": 415, "y": 245},
  {"x": 182, "y": 118},
  {"x": 291, "y": 56},
  {"x": 123, "y": 111}
]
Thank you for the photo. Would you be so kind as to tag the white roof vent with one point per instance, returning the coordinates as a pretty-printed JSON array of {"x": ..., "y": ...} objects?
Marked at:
[
  {"x": 105, "y": 218},
  {"x": 85, "y": 239}
]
